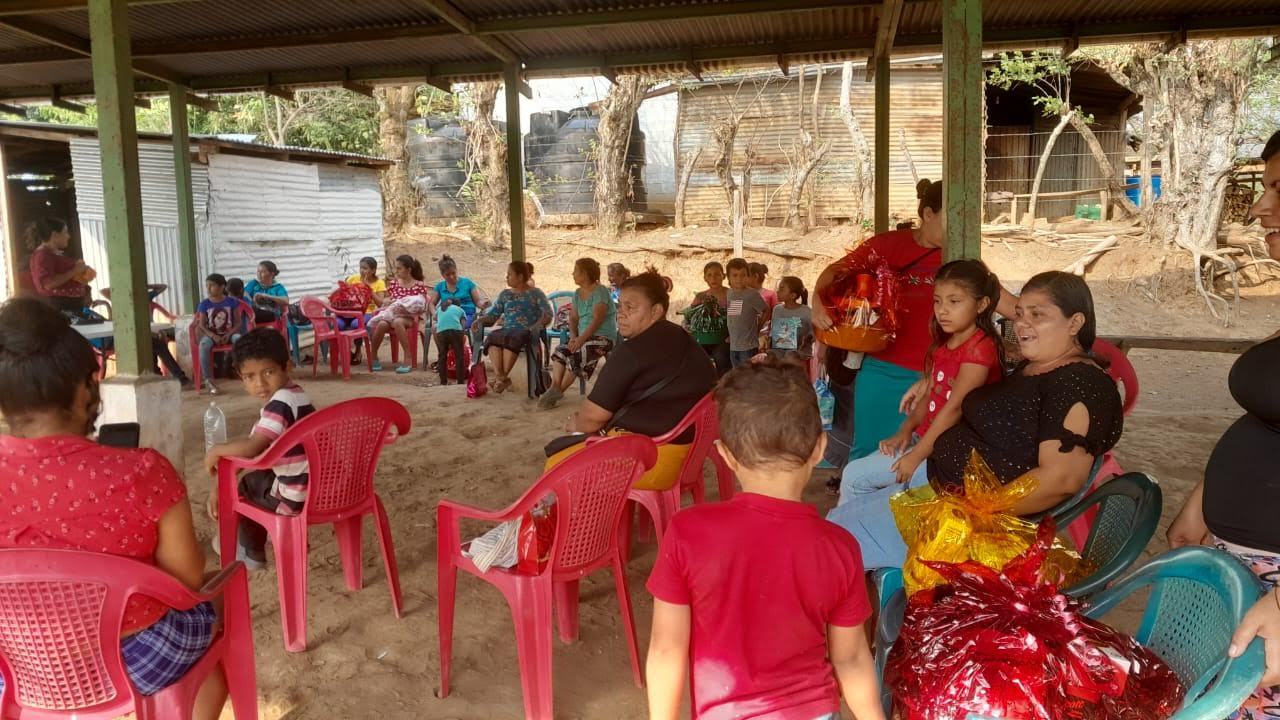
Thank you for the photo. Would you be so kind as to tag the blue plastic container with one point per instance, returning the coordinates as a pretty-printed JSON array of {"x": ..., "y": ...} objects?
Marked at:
[{"x": 1133, "y": 188}]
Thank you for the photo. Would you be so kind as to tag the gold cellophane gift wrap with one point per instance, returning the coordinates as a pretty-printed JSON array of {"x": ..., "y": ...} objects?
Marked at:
[{"x": 977, "y": 525}]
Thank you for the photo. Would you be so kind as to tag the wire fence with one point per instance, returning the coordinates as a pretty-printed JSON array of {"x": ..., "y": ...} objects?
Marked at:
[{"x": 1071, "y": 184}]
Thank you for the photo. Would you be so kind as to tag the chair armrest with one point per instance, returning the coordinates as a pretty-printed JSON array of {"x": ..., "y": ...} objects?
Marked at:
[
  {"x": 217, "y": 585},
  {"x": 462, "y": 510}
]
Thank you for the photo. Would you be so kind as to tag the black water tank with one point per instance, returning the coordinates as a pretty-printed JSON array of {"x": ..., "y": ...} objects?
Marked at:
[
  {"x": 558, "y": 153},
  {"x": 437, "y": 150}
]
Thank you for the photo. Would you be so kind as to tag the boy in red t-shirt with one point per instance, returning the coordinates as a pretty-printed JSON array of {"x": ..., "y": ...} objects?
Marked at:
[{"x": 763, "y": 598}]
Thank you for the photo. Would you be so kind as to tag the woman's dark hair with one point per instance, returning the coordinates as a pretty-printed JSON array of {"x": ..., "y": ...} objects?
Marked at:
[
  {"x": 1070, "y": 293},
  {"x": 235, "y": 287},
  {"x": 366, "y": 260},
  {"x": 652, "y": 285},
  {"x": 523, "y": 269},
  {"x": 270, "y": 266},
  {"x": 1272, "y": 147},
  {"x": 217, "y": 279},
  {"x": 713, "y": 264},
  {"x": 979, "y": 282},
  {"x": 42, "y": 359},
  {"x": 589, "y": 267},
  {"x": 620, "y": 269},
  {"x": 415, "y": 267},
  {"x": 795, "y": 285},
  {"x": 39, "y": 230},
  {"x": 757, "y": 269},
  {"x": 261, "y": 344},
  {"x": 446, "y": 264},
  {"x": 929, "y": 193}
]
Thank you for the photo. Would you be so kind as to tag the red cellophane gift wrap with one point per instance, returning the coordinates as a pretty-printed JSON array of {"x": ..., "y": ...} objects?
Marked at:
[
  {"x": 862, "y": 302},
  {"x": 1004, "y": 644}
]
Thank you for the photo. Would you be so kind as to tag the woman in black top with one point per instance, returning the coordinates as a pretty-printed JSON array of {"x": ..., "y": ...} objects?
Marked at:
[
  {"x": 1235, "y": 506},
  {"x": 1051, "y": 418}
]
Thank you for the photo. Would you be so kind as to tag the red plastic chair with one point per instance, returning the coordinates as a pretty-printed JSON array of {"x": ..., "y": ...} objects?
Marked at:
[
  {"x": 197, "y": 369},
  {"x": 324, "y": 326},
  {"x": 1120, "y": 370},
  {"x": 590, "y": 490},
  {"x": 662, "y": 505},
  {"x": 60, "y": 617},
  {"x": 342, "y": 443}
]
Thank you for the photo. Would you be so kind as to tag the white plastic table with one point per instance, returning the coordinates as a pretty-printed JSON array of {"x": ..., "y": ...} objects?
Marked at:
[{"x": 99, "y": 331}]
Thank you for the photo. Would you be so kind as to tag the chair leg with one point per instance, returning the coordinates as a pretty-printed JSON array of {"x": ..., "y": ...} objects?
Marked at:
[
  {"x": 628, "y": 618},
  {"x": 446, "y": 591},
  {"x": 531, "y": 610},
  {"x": 349, "y": 533},
  {"x": 566, "y": 603},
  {"x": 241, "y": 673},
  {"x": 624, "y": 530},
  {"x": 291, "y": 577},
  {"x": 389, "y": 556}
]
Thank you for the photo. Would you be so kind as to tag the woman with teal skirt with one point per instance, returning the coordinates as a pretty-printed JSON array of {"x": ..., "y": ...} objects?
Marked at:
[{"x": 914, "y": 254}]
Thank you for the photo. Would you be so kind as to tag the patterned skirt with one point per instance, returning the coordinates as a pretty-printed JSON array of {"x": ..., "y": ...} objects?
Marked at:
[{"x": 1264, "y": 704}]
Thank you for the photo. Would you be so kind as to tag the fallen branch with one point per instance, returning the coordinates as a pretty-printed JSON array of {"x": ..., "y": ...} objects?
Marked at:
[{"x": 1078, "y": 267}]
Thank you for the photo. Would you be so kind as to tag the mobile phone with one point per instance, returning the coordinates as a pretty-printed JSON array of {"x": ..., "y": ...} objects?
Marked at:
[{"x": 120, "y": 435}]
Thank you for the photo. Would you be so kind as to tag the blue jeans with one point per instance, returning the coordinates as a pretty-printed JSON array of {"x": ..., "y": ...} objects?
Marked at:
[
  {"x": 863, "y": 509},
  {"x": 741, "y": 357},
  {"x": 206, "y": 355}
]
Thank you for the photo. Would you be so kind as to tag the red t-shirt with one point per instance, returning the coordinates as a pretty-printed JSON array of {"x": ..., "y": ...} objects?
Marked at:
[
  {"x": 769, "y": 296},
  {"x": 764, "y": 578},
  {"x": 915, "y": 291},
  {"x": 70, "y": 493},
  {"x": 46, "y": 263},
  {"x": 979, "y": 349}
]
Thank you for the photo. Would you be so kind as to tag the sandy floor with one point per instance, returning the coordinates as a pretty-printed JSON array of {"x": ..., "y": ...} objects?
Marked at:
[{"x": 363, "y": 662}]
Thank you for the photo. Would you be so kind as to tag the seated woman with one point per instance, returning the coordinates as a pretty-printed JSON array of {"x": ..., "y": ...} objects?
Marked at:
[
  {"x": 1050, "y": 419},
  {"x": 649, "y": 384},
  {"x": 521, "y": 309},
  {"x": 269, "y": 298},
  {"x": 461, "y": 290},
  {"x": 368, "y": 277},
  {"x": 403, "y": 305},
  {"x": 593, "y": 330},
  {"x": 65, "y": 491}
]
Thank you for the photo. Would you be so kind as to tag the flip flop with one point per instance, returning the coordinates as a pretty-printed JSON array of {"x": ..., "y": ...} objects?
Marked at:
[
  {"x": 404, "y": 370},
  {"x": 377, "y": 366}
]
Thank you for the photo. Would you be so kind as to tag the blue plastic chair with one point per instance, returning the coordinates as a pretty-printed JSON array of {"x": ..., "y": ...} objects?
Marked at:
[
  {"x": 1198, "y": 597},
  {"x": 558, "y": 300}
]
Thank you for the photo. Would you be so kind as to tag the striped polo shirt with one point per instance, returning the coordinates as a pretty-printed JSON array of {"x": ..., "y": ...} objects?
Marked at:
[{"x": 287, "y": 406}]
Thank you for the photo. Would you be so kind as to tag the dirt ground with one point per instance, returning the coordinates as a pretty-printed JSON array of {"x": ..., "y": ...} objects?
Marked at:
[{"x": 363, "y": 662}]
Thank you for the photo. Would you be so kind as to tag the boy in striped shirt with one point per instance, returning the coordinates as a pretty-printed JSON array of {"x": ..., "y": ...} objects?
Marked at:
[{"x": 262, "y": 359}]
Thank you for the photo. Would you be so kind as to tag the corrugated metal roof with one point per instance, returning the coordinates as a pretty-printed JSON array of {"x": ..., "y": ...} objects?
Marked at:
[{"x": 241, "y": 44}]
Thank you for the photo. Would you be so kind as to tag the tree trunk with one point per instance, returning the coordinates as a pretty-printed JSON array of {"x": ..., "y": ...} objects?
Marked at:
[
  {"x": 487, "y": 165},
  {"x": 687, "y": 162},
  {"x": 613, "y": 171},
  {"x": 1147, "y": 195},
  {"x": 394, "y": 105},
  {"x": 1044, "y": 162},
  {"x": 748, "y": 164},
  {"x": 807, "y": 160},
  {"x": 863, "y": 182},
  {"x": 725, "y": 132},
  {"x": 1105, "y": 168}
]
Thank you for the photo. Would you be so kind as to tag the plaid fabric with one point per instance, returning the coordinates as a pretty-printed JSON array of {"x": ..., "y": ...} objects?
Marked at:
[
  {"x": 583, "y": 363},
  {"x": 160, "y": 655}
]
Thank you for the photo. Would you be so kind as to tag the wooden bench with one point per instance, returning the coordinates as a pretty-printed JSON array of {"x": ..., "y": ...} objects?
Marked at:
[{"x": 1233, "y": 346}]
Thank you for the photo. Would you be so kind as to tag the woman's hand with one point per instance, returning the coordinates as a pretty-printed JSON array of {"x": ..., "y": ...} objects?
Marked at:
[
  {"x": 1262, "y": 620},
  {"x": 906, "y": 466},
  {"x": 211, "y": 504},
  {"x": 818, "y": 315},
  {"x": 575, "y": 344},
  {"x": 913, "y": 395},
  {"x": 896, "y": 444}
]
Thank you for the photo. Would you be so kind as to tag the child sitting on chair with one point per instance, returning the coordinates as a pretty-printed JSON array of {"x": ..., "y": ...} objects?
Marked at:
[
  {"x": 262, "y": 359},
  {"x": 760, "y": 596}
]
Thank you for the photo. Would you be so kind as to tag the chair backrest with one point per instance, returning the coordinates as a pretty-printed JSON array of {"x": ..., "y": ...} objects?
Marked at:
[
  {"x": 314, "y": 310},
  {"x": 1120, "y": 370},
  {"x": 560, "y": 301},
  {"x": 246, "y": 311},
  {"x": 343, "y": 443},
  {"x": 591, "y": 489},
  {"x": 61, "y": 613},
  {"x": 706, "y": 430},
  {"x": 1129, "y": 509},
  {"x": 1198, "y": 597}
]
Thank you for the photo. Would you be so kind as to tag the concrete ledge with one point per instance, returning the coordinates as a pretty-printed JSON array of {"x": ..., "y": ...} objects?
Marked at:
[{"x": 152, "y": 401}]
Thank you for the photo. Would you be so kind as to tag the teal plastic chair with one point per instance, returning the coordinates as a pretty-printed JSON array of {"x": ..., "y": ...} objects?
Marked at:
[{"x": 1198, "y": 597}]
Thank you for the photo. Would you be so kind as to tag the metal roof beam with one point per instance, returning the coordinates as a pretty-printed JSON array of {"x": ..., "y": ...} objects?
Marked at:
[
  {"x": 42, "y": 32},
  {"x": 465, "y": 25},
  {"x": 58, "y": 102},
  {"x": 886, "y": 31},
  {"x": 204, "y": 103},
  {"x": 358, "y": 88},
  {"x": 13, "y": 109},
  {"x": 141, "y": 102},
  {"x": 665, "y": 12},
  {"x": 30, "y": 7}
]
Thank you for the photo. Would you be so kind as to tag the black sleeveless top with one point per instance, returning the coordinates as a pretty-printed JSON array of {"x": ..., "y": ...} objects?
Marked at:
[
  {"x": 1242, "y": 479},
  {"x": 1006, "y": 422}
]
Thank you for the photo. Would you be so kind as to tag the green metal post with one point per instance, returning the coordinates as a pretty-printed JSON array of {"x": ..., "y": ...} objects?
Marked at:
[
  {"x": 187, "y": 238},
  {"x": 962, "y": 127},
  {"x": 882, "y": 144},
  {"x": 515, "y": 161},
  {"x": 121, "y": 193}
]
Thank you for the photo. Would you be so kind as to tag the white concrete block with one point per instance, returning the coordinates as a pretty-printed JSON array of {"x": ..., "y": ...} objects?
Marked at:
[{"x": 152, "y": 401}]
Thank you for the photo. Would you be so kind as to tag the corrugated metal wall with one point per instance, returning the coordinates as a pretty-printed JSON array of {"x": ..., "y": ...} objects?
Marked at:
[
  {"x": 159, "y": 214},
  {"x": 770, "y": 127},
  {"x": 315, "y": 221}
]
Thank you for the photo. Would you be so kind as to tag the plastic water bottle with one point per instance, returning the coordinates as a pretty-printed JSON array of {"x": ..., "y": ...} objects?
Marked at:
[{"x": 215, "y": 426}]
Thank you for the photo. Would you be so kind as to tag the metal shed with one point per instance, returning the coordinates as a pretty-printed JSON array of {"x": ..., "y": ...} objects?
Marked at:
[{"x": 314, "y": 213}]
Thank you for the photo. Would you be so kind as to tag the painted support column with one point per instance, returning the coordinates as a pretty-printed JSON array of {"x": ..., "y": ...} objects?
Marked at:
[
  {"x": 9, "y": 233},
  {"x": 962, "y": 127},
  {"x": 187, "y": 238},
  {"x": 121, "y": 194},
  {"x": 882, "y": 144},
  {"x": 515, "y": 160}
]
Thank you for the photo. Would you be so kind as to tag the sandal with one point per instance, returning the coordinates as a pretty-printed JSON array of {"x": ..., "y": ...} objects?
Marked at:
[
  {"x": 500, "y": 385},
  {"x": 404, "y": 370},
  {"x": 376, "y": 367}
]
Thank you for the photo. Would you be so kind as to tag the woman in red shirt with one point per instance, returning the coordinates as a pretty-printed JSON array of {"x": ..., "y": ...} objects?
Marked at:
[
  {"x": 914, "y": 254},
  {"x": 62, "y": 490},
  {"x": 54, "y": 276}
]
